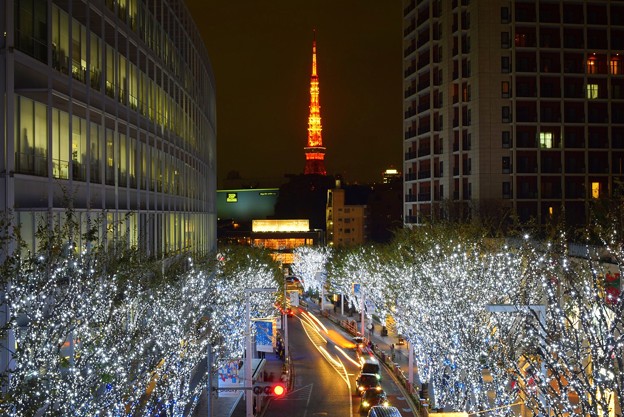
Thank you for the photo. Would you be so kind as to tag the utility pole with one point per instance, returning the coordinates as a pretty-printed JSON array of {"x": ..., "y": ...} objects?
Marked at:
[
  {"x": 248, "y": 351},
  {"x": 285, "y": 324},
  {"x": 209, "y": 372},
  {"x": 410, "y": 363},
  {"x": 362, "y": 325}
]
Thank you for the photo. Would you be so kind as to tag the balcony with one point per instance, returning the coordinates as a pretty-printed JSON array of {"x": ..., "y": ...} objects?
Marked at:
[
  {"x": 424, "y": 151},
  {"x": 411, "y": 219}
]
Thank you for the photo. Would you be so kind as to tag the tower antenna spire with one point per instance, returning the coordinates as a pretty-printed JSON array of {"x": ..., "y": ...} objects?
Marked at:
[{"x": 314, "y": 151}]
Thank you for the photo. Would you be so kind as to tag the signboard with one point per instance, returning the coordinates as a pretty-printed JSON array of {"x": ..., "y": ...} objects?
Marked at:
[
  {"x": 369, "y": 307},
  {"x": 356, "y": 289},
  {"x": 294, "y": 298},
  {"x": 264, "y": 335},
  {"x": 230, "y": 377},
  {"x": 231, "y": 198}
]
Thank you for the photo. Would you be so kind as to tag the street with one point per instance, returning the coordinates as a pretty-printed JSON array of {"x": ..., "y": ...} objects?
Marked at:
[{"x": 325, "y": 369}]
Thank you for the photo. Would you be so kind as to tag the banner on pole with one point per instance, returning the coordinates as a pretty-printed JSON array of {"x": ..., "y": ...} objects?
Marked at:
[
  {"x": 264, "y": 335},
  {"x": 229, "y": 377},
  {"x": 294, "y": 298}
]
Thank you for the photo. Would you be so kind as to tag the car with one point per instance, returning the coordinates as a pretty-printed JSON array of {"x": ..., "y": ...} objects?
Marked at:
[
  {"x": 358, "y": 343},
  {"x": 384, "y": 411},
  {"x": 366, "y": 381},
  {"x": 372, "y": 397},
  {"x": 370, "y": 365},
  {"x": 294, "y": 283}
]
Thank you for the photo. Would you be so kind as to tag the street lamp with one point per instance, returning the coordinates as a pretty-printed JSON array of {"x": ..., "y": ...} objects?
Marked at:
[
  {"x": 248, "y": 353},
  {"x": 285, "y": 324}
]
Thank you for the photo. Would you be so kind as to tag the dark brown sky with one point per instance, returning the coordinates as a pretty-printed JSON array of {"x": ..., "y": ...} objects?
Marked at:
[{"x": 261, "y": 53}]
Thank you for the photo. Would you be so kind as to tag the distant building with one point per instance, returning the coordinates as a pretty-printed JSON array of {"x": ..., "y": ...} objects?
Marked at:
[
  {"x": 347, "y": 222},
  {"x": 391, "y": 175},
  {"x": 385, "y": 208},
  {"x": 304, "y": 197},
  {"x": 108, "y": 107},
  {"x": 244, "y": 205},
  {"x": 280, "y": 236},
  {"x": 512, "y": 106},
  {"x": 247, "y": 217}
]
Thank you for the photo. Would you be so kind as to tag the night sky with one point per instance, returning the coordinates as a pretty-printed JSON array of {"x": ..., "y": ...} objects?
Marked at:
[{"x": 261, "y": 54}]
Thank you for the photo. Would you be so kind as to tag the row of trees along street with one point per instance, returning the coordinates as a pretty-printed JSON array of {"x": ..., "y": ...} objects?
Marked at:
[
  {"x": 105, "y": 330},
  {"x": 514, "y": 325}
]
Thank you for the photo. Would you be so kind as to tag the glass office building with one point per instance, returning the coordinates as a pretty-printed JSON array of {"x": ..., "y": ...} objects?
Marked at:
[{"x": 109, "y": 109}]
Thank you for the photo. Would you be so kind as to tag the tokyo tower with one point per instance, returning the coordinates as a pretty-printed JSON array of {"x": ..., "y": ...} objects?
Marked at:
[{"x": 314, "y": 151}]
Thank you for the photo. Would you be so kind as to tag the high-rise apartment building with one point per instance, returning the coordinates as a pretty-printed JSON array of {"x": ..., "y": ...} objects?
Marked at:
[
  {"x": 109, "y": 108},
  {"x": 512, "y": 105}
]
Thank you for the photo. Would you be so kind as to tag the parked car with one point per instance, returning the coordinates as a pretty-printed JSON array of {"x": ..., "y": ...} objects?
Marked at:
[
  {"x": 384, "y": 411},
  {"x": 372, "y": 397},
  {"x": 366, "y": 381}
]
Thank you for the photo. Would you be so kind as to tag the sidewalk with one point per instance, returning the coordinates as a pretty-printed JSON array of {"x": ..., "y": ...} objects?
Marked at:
[{"x": 236, "y": 406}]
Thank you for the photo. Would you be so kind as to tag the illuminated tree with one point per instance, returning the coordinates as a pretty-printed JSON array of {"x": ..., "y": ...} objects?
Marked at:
[
  {"x": 102, "y": 331},
  {"x": 569, "y": 362},
  {"x": 310, "y": 264}
]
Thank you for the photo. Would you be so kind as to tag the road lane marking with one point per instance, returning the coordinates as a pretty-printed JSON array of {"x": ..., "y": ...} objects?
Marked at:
[{"x": 335, "y": 363}]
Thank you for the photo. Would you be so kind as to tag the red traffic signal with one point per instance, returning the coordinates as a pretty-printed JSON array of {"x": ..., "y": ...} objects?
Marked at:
[
  {"x": 273, "y": 390},
  {"x": 279, "y": 390}
]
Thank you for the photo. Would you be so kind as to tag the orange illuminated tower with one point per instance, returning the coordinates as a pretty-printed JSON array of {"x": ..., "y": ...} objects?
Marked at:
[{"x": 315, "y": 151}]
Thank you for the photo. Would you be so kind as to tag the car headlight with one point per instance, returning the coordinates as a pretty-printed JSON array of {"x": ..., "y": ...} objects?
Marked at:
[
  {"x": 378, "y": 376},
  {"x": 365, "y": 404},
  {"x": 386, "y": 403}
]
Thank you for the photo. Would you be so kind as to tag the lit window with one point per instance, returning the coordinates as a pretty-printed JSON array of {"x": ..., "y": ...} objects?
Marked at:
[
  {"x": 592, "y": 90},
  {"x": 550, "y": 211},
  {"x": 505, "y": 89},
  {"x": 595, "y": 187},
  {"x": 591, "y": 66},
  {"x": 546, "y": 140},
  {"x": 614, "y": 65}
]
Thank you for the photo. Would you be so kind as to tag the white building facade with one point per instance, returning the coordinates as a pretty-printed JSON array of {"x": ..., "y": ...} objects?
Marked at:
[{"x": 512, "y": 105}]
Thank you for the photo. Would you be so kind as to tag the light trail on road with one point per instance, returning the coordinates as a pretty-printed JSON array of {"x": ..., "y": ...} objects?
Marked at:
[
  {"x": 339, "y": 367},
  {"x": 356, "y": 363},
  {"x": 316, "y": 320}
]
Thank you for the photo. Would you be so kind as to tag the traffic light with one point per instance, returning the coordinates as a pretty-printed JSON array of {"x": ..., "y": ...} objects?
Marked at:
[{"x": 269, "y": 389}]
